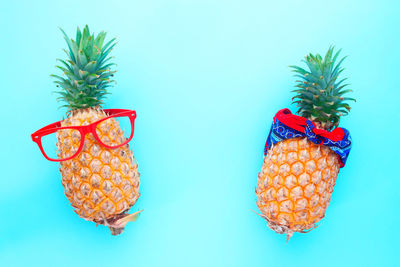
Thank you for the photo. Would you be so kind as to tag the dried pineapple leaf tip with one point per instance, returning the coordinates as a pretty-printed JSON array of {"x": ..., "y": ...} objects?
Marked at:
[
  {"x": 129, "y": 218},
  {"x": 288, "y": 236}
]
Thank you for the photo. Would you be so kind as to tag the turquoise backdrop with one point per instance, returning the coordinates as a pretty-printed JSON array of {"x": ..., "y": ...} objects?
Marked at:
[{"x": 206, "y": 78}]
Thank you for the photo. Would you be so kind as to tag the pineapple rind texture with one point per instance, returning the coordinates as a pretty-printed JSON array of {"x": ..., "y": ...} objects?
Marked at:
[
  {"x": 100, "y": 183},
  {"x": 295, "y": 185}
]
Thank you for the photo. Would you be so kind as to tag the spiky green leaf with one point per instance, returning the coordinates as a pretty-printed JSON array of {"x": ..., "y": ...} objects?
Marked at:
[
  {"x": 86, "y": 71},
  {"x": 319, "y": 92}
]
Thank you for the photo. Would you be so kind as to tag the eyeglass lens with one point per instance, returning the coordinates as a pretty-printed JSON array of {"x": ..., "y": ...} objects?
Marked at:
[
  {"x": 61, "y": 144},
  {"x": 114, "y": 131}
]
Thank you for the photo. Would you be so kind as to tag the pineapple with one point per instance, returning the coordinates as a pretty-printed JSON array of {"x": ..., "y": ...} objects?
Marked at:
[
  {"x": 102, "y": 184},
  {"x": 297, "y": 178}
]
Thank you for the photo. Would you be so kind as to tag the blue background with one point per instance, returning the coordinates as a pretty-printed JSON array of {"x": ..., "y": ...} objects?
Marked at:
[{"x": 206, "y": 78}]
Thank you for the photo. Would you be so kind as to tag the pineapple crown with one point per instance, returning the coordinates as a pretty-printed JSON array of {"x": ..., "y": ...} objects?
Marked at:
[
  {"x": 319, "y": 93},
  {"x": 86, "y": 72}
]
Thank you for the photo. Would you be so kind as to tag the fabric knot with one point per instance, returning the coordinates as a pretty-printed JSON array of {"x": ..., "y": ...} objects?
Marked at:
[{"x": 309, "y": 131}]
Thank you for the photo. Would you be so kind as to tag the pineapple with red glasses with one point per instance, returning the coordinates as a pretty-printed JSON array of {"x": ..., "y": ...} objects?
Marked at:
[
  {"x": 303, "y": 154},
  {"x": 98, "y": 170}
]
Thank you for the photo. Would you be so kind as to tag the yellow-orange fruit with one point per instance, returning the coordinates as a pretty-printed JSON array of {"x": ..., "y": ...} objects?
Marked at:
[
  {"x": 101, "y": 184},
  {"x": 295, "y": 185}
]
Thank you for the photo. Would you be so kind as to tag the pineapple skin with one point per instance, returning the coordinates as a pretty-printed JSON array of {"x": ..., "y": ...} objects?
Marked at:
[
  {"x": 295, "y": 185},
  {"x": 100, "y": 183}
]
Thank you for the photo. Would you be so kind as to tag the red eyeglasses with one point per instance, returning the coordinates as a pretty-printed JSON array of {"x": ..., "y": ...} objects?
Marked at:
[{"x": 47, "y": 137}]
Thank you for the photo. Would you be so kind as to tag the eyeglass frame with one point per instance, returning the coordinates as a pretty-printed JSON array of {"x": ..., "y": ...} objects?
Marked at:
[{"x": 84, "y": 130}]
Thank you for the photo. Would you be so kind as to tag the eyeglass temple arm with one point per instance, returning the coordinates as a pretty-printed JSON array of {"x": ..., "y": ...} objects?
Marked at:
[
  {"x": 48, "y": 127},
  {"x": 116, "y": 111}
]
